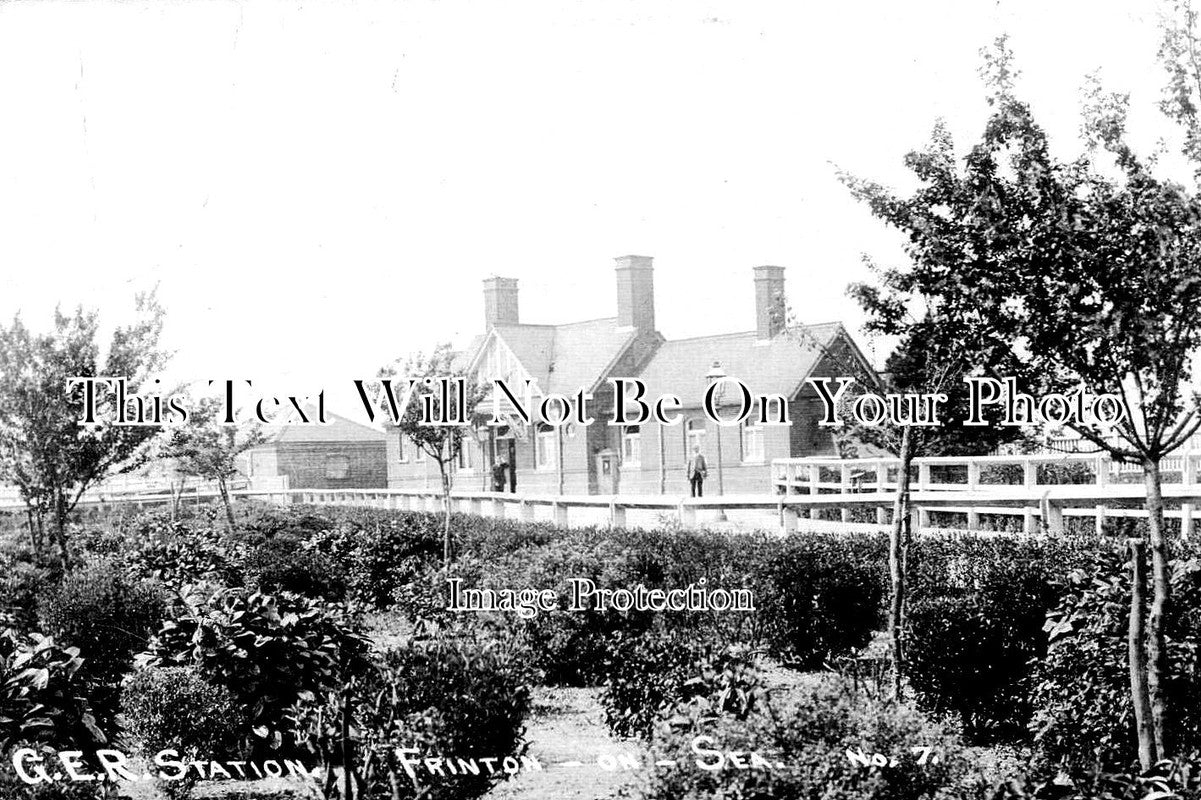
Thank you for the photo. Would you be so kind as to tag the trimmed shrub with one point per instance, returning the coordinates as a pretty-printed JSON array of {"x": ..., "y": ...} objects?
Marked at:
[
  {"x": 268, "y": 651},
  {"x": 174, "y": 708},
  {"x": 822, "y": 596},
  {"x": 108, "y": 617},
  {"x": 975, "y": 626},
  {"x": 439, "y": 699}
]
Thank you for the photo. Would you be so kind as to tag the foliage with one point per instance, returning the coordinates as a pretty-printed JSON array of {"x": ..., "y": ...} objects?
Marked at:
[
  {"x": 648, "y": 674},
  {"x": 282, "y": 564},
  {"x": 206, "y": 447},
  {"x": 801, "y": 747},
  {"x": 1084, "y": 716},
  {"x": 108, "y": 617},
  {"x": 822, "y": 596},
  {"x": 44, "y": 450},
  {"x": 269, "y": 651},
  {"x": 430, "y": 698},
  {"x": 43, "y": 698},
  {"x": 1167, "y": 780},
  {"x": 976, "y": 622},
  {"x": 422, "y": 410}
]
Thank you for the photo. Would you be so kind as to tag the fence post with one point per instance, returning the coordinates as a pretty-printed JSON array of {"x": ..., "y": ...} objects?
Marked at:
[
  {"x": 1053, "y": 517},
  {"x": 559, "y": 514},
  {"x": 1028, "y": 520},
  {"x": 687, "y": 514},
  {"x": 1189, "y": 478},
  {"x": 918, "y": 517},
  {"x": 973, "y": 475},
  {"x": 527, "y": 511},
  {"x": 789, "y": 519},
  {"x": 973, "y": 519},
  {"x": 923, "y": 476},
  {"x": 1029, "y": 472},
  {"x": 617, "y": 515},
  {"x": 844, "y": 480}
]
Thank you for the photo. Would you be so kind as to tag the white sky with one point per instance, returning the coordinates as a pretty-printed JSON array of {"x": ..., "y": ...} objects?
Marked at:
[{"x": 320, "y": 188}]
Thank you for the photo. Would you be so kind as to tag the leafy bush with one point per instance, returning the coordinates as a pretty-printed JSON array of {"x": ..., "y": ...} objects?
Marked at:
[
  {"x": 13, "y": 788},
  {"x": 20, "y": 585},
  {"x": 281, "y": 564},
  {"x": 432, "y": 699},
  {"x": 650, "y": 673},
  {"x": 42, "y": 697},
  {"x": 819, "y": 744},
  {"x": 822, "y": 596},
  {"x": 109, "y": 617},
  {"x": 1084, "y": 715},
  {"x": 975, "y": 625},
  {"x": 181, "y": 553},
  {"x": 1165, "y": 781},
  {"x": 174, "y": 708},
  {"x": 268, "y": 651}
]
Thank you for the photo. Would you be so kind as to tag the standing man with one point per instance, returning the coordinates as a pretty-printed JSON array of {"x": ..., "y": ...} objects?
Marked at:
[
  {"x": 698, "y": 469},
  {"x": 498, "y": 474}
]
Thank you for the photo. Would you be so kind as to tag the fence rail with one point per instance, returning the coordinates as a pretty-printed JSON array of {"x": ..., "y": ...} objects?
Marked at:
[
  {"x": 808, "y": 488},
  {"x": 1013, "y": 485}
]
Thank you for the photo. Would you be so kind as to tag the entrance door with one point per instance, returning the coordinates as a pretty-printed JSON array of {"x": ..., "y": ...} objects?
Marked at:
[{"x": 607, "y": 479}]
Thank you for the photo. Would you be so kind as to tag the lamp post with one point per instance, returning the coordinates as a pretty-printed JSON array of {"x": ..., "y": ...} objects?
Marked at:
[{"x": 715, "y": 374}]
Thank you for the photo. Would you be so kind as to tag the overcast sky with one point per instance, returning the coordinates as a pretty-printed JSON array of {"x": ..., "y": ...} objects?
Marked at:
[{"x": 319, "y": 188}]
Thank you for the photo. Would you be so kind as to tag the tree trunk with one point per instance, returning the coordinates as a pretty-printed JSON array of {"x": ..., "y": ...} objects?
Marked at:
[
  {"x": 896, "y": 562},
  {"x": 60, "y": 527},
  {"x": 1137, "y": 657},
  {"x": 223, "y": 490},
  {"x": 446, "y": 516},
  {"x": 1157, "y": 655}
]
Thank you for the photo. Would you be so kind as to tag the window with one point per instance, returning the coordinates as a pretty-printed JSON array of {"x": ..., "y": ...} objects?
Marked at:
[
  {"x": 694, "y": 431},
  {"x": 402, "y": 448},
  {"x": 337, "y": 468},
  {"x": 420, "y": 453},
  {"x": 752, "y": 441},
  {"x": 464, "y": 460},
  {"x": 546, "y": 452},
  {"x": 631, "y": 446}
]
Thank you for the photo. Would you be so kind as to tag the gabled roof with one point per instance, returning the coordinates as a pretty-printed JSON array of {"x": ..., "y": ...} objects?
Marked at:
[
  {"x": 775, "y": 366},
  {"x": 337, "y": 429},
  {"x": 564, "y": 358}
]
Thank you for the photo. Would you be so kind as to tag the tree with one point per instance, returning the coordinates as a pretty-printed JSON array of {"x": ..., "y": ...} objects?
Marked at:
[
  {"x": 930, "y": 358},
  {"x": 207, "y": 448},
  {"x": 428, "y": 376},
  {"x": 1069, "y": 276},
  {"x": 44, "y": 449}
]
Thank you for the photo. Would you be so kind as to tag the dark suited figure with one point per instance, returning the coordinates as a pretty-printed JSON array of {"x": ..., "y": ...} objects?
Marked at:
[
  {"x": 498, "y": 475},
  {"x": 698, "y": 470}
]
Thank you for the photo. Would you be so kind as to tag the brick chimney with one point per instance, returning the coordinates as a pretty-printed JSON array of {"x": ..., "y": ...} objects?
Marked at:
[
  {"x": 635, "y": 293},
  {"x": 769, "y": 302},
  {"x": 500, "y": 302}
]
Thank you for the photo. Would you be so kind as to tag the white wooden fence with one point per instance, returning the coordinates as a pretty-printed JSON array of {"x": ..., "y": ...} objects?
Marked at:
[
  {"x": 854, "y": 491},
  {"x": 974, "y": 486}
]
